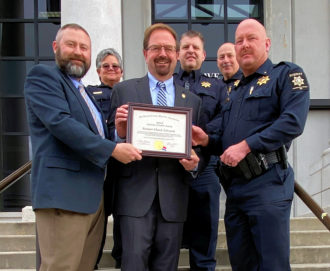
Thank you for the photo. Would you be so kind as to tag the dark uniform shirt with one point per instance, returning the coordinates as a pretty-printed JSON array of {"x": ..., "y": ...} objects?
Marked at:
[
  {"x": 102, "y": 94},
  {"x": 208, "y": 89},
  {"x": 229, "y": 85},
  {"x": 269, "y": 109}
]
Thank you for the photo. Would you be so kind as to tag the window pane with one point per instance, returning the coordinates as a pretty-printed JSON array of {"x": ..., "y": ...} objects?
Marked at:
[
  {"x": 179, "y": 29},
  {"x": 13, "y": 115},
  {"x": 240, "y": 9},
  {"x": 231, "y": 32},
  {"x": 170, "y": 9},
  {"x": 49, "y": 9},
  {"x": 213, "y": 36},
  {"x": 18, "y": 195},
  {"x": 207, "y": 9},
  {"x": 17, "y": 39},
  {"x": 210, "y": 67},
  {"x": 17, "y": 9},
  {"x": 12, "y": 76},
  {"x": 15, "y": 151},
  {"x": 15, "y": 154},
  {"x": 47, "y": 33},
  {"x": 48, "y": 62}
]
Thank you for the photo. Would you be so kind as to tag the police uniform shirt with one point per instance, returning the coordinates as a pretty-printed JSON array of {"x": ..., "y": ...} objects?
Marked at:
[
  {"x": 229, "y": 86},
  {"x": 208, "y": 89},
  {"x": 269, "y": 109},
  {"x": 102, "y": 94}
]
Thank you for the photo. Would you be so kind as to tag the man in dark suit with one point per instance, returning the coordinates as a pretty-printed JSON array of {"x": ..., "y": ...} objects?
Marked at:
[
  {"x": 152, "y": 195},
  {"x": 70, "y": 154}
]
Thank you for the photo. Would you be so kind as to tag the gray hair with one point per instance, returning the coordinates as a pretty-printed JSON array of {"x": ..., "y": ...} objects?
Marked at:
[{"x": 108, "y": 52}]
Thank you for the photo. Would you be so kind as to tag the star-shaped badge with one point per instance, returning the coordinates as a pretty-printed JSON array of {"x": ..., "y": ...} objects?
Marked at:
[
  {"x": 298, "y": 81},
  {"x": 263, "y": 80},
  {"x": 206, "y": 84}
]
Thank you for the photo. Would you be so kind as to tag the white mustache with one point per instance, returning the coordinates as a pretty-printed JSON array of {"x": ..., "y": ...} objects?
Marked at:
[{"x": 226, "y": 65}]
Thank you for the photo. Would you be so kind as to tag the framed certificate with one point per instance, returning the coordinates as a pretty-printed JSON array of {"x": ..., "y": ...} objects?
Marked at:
[{"x": 160, "y": 131}]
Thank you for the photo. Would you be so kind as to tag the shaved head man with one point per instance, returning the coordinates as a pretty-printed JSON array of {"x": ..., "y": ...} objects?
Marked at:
[{"x": 259, "y": 122}]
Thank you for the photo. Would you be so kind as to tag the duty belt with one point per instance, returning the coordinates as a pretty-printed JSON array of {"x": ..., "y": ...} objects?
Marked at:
[{"x": 253, "y": 165}]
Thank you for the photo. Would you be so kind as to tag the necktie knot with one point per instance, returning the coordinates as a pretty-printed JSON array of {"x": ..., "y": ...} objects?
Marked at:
[{"x": 161, "y": 96}]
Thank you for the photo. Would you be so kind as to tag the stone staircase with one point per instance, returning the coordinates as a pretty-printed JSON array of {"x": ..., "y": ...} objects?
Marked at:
[{"x": 310, "y": 246}]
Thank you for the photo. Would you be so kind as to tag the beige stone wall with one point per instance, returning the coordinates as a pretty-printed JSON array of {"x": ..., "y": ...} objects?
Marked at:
[{"x": 103, "y": 21}]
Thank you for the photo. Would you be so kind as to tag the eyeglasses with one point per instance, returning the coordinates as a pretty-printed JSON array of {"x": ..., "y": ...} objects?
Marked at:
[
  {"x": 107, "y": 67},
  {"x": 169, "y": 49}
]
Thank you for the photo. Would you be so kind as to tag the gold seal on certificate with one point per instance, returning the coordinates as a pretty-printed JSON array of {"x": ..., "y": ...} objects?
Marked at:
[{"x": 160, "y": 131}]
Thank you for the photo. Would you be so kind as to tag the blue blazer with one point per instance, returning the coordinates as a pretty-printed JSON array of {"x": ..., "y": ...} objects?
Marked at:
[{"x": 69, "y": 156}]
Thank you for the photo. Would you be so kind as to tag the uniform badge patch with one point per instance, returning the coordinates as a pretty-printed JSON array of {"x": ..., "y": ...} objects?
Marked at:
[
  {"x": 263, "y": 80},
  {"x": 97, "y": 92},
  {"x": 206, "y": 84},
  {"x": 236, "y": 83},
  {"x": 298, "y": 81}
]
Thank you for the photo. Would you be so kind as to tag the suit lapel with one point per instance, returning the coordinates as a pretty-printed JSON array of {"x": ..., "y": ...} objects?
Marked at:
[
  {"x": 82, "y": 102},
  {"x": 143, "y": 90}
]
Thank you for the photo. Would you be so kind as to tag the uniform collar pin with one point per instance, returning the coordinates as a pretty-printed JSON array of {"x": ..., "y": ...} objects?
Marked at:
[{"x": 251, "y": 89}]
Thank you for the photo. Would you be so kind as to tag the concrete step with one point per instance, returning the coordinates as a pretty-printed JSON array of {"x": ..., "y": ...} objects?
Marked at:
[
  {"x": 11, "y": 243},
  {"x": 310, "y": 238},
  {"x": 297, "y": 223},
  {"x": 17, "y": 228},
  {"x": 306, "y": 224},
  {"x": 310, "y": 254},
  {"x": 26, "y": 242},
  {"x": 294, "y": 267},
  {"x": 310, "y": 246},
  {"x": 299, "y": 256},
  {"x": 10, "y": 216}
]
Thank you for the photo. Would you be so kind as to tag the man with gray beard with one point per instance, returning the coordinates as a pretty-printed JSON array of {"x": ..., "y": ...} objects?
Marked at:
[{"x": 70, "y": 155}]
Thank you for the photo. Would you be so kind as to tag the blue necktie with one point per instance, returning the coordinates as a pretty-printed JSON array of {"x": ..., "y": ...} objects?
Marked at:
[{"x": 161, "y": 96}]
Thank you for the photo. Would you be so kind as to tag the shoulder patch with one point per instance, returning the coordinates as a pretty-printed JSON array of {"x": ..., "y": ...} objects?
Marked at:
[{"x": 298, "y": 81}]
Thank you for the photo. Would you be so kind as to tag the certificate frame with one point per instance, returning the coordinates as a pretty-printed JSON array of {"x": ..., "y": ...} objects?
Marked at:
[{"x": 160, "y": 130}]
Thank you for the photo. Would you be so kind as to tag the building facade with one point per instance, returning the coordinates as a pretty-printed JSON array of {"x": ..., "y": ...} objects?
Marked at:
[{"x": 299, "y": 31}]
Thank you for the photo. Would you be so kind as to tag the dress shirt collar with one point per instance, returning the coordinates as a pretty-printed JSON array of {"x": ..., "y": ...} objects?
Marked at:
[
  {"x": 75, "y": 82},
  {"x": 153, "y": 83},
  {"x": 170, "y": 90}
]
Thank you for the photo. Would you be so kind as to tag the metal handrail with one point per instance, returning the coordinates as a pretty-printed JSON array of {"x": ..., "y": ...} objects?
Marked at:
[
  {"x": 312, "y": 205},
  {"x": 301, "y": 193},
  {"x": 15, "y": 176}
]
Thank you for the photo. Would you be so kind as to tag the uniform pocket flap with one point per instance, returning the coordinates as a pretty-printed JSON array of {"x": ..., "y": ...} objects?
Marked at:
[{"x": 259, "y": 93}]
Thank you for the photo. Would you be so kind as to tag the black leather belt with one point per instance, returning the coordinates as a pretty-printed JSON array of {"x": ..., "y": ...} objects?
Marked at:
[
  {"x": 268, "y": 159},
  {"x": 253, "y": 165}
]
